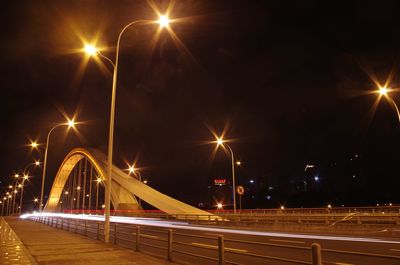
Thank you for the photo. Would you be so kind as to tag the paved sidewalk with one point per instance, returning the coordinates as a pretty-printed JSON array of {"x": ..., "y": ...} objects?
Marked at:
[
  {"x": 51, "y": 246},
  {"x": 12, "y": 251}
]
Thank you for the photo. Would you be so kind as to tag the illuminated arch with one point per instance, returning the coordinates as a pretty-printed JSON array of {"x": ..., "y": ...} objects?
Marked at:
[{"x": 124, "y": 187}]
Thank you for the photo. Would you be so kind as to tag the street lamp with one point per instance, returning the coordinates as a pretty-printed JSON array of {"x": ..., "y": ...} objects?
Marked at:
[
  {"x": 221, "y": 142},
  {"x": 163, "y": 21},
  {"x": 70, "y": 124},
  {"x": 98, "y": 180},
  {"x": 383, "y": 91},
  {"x": 133, "y": 170},
  {"x": 22, "y": 192},
  {"x": 25, "y": 177}
]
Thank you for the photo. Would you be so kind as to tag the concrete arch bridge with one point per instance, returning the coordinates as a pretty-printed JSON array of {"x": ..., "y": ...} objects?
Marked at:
[{"x": 73, "y": 189}]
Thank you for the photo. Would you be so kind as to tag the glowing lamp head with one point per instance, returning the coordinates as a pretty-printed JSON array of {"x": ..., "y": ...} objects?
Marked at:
[
  {"x": 383, "y": 91},
  {"x": 34, "y": 144},
  {"x": 16, "y": 176},
  {"x": 37, "y": 163},
  {"x": 282, "y": 207},
  {"x": 219, "y": 205},
  {"x": 238, "y": 163},
  {"x": 220, "y": 141},
  {"x": 90, "y": 50},
  {"x": 26, "y": 177},
  {"x": 19, "y": 185},
  {"x": 35, "y": 200},
  {"x": 132, "y": 169},
  {"x": 145, "y": 181},
  {"x": 10, "y": 187},
  {"x": 98, "y": 180},
  {"x": 71, "y": 123},
  {"x": 163, "y": 21}
]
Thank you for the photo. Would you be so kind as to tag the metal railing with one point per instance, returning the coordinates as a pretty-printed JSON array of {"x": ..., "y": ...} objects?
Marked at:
[
  {"x": 283, "y": 216},
  {"x": 167, "y": 241},
  {"x": 267, "y": 211}
]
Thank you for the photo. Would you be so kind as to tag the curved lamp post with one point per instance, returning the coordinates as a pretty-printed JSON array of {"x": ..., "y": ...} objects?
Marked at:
[
  {"x": 222, "y": 142},
  {"x": 24, "y": 178},
  {"x": 133, "y": 170},
  {"x": 70, "y": 124},
  {"x": 383, "y": 91},
  {"x": 91, "y": 50}
]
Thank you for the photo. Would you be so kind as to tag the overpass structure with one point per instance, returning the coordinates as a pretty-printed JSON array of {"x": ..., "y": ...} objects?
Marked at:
[{"x": 125, "y": 188}]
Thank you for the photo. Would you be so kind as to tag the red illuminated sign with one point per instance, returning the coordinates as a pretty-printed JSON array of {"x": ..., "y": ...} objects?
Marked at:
[{"x": 219, "y": 181}]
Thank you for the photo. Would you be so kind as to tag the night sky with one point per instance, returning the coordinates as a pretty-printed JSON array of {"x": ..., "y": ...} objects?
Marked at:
[{"x": 290, "y": 81}]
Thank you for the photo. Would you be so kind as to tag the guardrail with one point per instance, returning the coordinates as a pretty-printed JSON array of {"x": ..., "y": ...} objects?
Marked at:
[
  {"x": 120, "y": 232},
  {"x": 329, "y": 218},
  {"x": 283, "y": 210}
]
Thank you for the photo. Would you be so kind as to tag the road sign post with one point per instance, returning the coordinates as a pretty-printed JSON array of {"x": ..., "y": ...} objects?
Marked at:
[{"x": 240, "y": 192}]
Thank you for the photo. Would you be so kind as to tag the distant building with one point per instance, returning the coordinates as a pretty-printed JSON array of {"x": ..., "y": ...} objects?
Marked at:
[{"x": 219, "y": 191}]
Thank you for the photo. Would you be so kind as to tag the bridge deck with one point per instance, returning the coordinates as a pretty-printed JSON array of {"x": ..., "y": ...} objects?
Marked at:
[{"x": 50, "y": 246}]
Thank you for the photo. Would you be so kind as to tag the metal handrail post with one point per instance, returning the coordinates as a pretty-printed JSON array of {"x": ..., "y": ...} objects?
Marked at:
[
  {"x": 169, "y": 249},
  {"x": 316, "y": 254},
  {"x": 221, "y": 250},
  {"x": 137, "y": 237}
]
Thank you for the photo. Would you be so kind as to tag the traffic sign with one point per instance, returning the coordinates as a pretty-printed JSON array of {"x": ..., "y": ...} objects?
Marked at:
[{"x": 240, "y": 190}]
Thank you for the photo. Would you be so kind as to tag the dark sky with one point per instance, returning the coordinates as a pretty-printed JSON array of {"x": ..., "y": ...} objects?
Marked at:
[{"x": 289, "y": 78}]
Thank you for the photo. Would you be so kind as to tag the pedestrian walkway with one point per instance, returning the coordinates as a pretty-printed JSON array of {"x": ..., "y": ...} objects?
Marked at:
[
  {"x": 12, "y": 251},
  {"x": 51, "y": 246}
]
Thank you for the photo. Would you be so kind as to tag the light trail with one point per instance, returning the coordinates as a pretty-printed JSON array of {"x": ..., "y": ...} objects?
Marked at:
[{"x": 186, "y": 226}]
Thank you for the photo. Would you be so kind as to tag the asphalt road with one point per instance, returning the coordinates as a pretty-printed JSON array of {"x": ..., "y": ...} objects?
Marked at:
[{"x": 242, "y": 246}]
